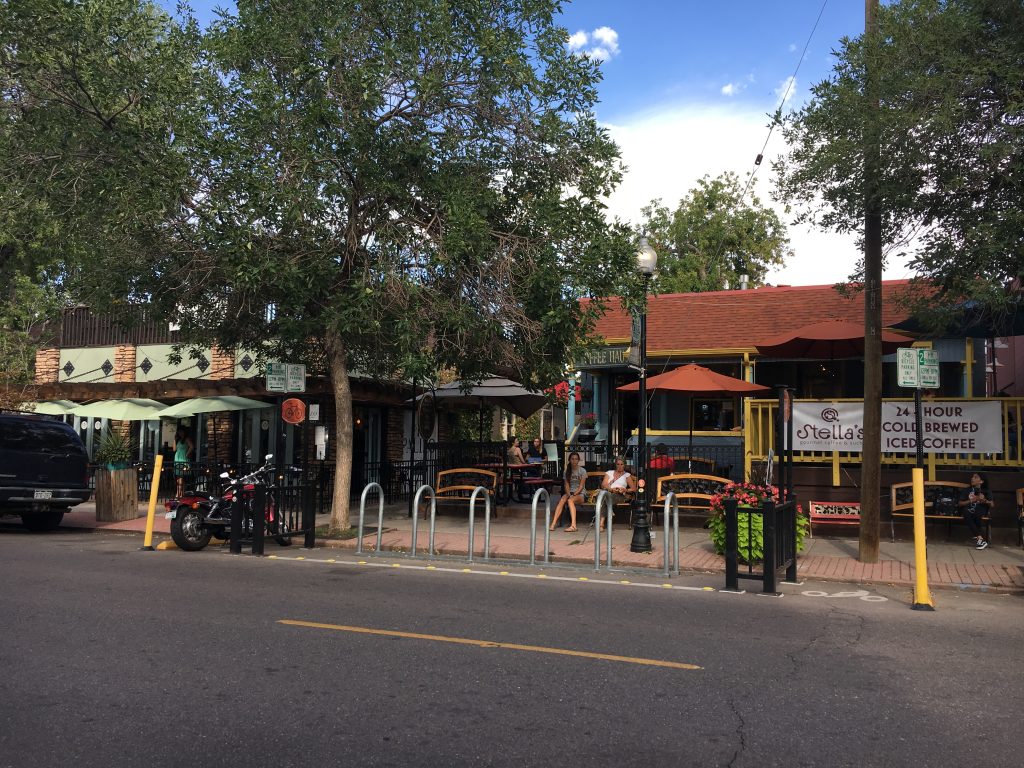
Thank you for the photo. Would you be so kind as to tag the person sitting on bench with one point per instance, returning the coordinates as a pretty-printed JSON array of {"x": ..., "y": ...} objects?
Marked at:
[
  {"x": 572, "y": 491},
  {"x": 976, "y": 503}
]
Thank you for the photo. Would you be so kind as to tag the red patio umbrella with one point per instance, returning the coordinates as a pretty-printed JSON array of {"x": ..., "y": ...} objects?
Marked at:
[
  {"x": 697, "y": 380},
  {"x": 827, "y": 340}
]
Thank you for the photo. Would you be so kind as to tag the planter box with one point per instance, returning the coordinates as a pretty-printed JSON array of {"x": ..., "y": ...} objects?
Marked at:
[{"x": 117, "y": 495}]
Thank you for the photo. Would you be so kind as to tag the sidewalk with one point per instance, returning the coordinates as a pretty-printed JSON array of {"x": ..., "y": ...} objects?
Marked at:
[{"x": 952, "y": 563}]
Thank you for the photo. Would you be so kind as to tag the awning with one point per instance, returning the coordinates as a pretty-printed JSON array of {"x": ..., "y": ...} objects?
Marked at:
[
  {"x": 131, "y": 409},
  {"x": 209, "y": 405},
  {"x": 52, "y": 407}
]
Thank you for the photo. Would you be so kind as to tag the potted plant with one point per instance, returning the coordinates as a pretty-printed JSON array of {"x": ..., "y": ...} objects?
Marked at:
[
  {"x": 586, "y": 431},
  {"x": 116, "y": 450},
  {"x": 750, "y": 537}
]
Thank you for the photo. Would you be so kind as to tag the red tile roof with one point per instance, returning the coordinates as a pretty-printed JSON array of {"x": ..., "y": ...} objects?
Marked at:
[{"x": 736, "y": 320}]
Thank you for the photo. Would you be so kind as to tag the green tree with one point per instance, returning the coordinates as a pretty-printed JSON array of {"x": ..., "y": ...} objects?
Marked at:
[
  {"x": 714, "y": 236},
  {"x": 393, "y": 188},
  {"x": 949, "y": 80},
  {"x": 28, "y": 311}
]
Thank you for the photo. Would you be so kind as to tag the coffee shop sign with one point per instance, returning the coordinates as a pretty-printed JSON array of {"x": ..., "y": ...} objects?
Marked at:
[
  {"x": 947, "y": 427},
  {"x": 604, "y": 357}
]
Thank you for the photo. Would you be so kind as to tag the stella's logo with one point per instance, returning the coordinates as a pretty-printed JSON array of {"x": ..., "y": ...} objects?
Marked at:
[{"x": 830, "y": 415}]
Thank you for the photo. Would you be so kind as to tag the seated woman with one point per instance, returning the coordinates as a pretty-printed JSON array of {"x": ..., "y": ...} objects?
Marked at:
[
  {"x": 619, "y": 482},
  {"x": 975, "y": 503},
  {"x": 572, "y": 491},
  {"x": 515, "y": 453}
]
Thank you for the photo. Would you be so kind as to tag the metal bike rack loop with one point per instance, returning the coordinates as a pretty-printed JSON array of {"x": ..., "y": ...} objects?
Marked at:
[
  {"x": 362, "y": 516},
  {"x": 416, "y": 517},
  {"x": 547, "y": 526},
  {"x": 671, "y": 502},
  {"x": 487, "y": 521},
  {"x": 603, "y": 498}
]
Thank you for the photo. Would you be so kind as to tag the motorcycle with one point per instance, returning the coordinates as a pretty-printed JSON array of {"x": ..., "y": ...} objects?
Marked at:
[{"x": 197, "y": 516}]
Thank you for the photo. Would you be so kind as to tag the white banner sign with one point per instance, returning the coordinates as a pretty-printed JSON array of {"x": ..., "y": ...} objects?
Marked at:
[{"x": 949, "y": 427}]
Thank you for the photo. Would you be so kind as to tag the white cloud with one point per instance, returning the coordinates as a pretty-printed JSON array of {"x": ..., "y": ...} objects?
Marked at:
[
  {"x": 792, "y": 48},
  {"x": 729, "y": 89},
  {"x": 785, "y": 91},
  {"x": 603, "y": 42},
  {"x": 667, "y": 150}
]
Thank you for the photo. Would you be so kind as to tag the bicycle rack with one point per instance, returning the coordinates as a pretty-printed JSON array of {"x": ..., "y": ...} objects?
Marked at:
[
  {"x": 603, "y": 498},
  {"x": 416, "y": 516},
  {"x": 547, "y": 526},
  {"x": 487, "y": 522},
  {"x": 673, "y": 502},
  {"x": 362, "y": 516}
]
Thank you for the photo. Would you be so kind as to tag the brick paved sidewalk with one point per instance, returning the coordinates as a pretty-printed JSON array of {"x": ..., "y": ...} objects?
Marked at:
[{"x": 952, "y": 563}]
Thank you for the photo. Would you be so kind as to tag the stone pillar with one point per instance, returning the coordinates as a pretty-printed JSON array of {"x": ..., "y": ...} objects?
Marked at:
[
  {"x": 222, "y": 363},
  {"x": 124, "y": 363},
  {"x": 47, "y": 366}
]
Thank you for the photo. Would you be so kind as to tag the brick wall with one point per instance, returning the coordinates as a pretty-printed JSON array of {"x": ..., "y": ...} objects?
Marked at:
[{"x": 47, "y": 366}]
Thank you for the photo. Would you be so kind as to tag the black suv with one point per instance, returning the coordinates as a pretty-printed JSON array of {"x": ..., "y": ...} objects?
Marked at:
[{"x": 43, "y": 469}]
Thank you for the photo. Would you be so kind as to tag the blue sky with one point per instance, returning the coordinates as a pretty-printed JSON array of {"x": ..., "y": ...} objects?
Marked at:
[{"x": 687, "y": 90}]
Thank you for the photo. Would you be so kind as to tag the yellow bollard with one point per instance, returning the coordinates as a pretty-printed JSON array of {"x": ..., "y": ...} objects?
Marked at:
[
  {"x": 147, "y": 543},
  {"x": 922, "y": 597}
]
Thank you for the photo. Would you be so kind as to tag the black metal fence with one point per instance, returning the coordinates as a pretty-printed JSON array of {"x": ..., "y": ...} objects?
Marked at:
[{"x": 720, "y": 461}]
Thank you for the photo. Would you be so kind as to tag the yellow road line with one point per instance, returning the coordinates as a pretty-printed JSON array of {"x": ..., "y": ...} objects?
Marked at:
[{"x": 490, "y": 644}]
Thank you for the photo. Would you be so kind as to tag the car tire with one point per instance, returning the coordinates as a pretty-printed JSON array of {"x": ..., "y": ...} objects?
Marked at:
[{"x": 40, "y": 522}]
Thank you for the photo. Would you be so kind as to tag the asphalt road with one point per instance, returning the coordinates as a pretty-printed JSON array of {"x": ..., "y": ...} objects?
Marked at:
[{"x": 116, "y": 657}]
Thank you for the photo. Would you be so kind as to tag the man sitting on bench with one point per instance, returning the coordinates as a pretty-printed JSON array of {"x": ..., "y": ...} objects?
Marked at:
[{"x": 976, "y": 503}]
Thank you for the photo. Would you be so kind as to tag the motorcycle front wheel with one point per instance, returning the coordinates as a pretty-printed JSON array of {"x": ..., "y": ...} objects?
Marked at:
[{"x": 188, "y": 530}]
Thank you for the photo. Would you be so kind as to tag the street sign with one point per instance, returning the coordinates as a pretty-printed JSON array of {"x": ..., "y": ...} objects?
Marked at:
[
  {"x": 928, "y": 368},
  {"x": 296, "y": 377},
  {"x": 286, "y": 377},
  {"x": 277, "y": 377},
  {"x": 293, "y": 411},
  {"x": 917, "y": 368}
]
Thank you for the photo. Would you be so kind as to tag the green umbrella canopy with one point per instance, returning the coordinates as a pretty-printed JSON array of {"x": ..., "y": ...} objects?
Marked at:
[
  {"x": 53, "y": 407},
  {"x": 209, "y": 405},
  {"x": 131, "y": 409}
]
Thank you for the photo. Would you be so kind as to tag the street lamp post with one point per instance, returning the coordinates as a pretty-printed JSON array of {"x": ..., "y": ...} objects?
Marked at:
[{"x": 647, "y": 260}]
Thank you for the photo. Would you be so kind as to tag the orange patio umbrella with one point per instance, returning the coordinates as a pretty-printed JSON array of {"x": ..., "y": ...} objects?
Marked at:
[
  {"x": 827, "y": 340},
  {"x": 695, "y": 379}
]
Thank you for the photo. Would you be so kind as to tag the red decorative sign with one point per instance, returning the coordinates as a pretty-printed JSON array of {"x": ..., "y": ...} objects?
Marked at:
[{"x": 293, "y": 411}]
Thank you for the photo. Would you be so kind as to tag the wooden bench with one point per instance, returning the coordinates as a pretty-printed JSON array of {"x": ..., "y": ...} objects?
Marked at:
[
  {"x": 833, "y": 513},
  {"x": 693, "y": 491},
  {"x": 456, "y": 486},
  {"x": 902, "y": 503}
]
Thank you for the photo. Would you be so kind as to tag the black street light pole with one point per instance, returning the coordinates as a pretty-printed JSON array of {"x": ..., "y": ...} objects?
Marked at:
[{"x": 647, "y": 259}]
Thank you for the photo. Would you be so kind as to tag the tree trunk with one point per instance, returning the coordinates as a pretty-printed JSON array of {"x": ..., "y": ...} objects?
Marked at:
[
  {"x": 871, "y": 452},
  {"x": 337, "y": 360}
]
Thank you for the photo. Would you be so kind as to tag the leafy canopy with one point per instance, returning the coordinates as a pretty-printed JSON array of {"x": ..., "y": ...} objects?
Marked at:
[
  {"x": 949, "y": 77},
  {"x": 714, "y": 236}
]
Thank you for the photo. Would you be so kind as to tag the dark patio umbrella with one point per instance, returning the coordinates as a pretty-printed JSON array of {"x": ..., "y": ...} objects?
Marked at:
[
  {"x": 697, "y": 380},
  {"x": 504, "y": 393},
  {"x": 828, "y": 340}
]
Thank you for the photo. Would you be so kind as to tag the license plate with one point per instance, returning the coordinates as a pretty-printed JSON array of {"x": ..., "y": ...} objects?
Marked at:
[
  {"x": 171, "y": 515},
  {"x": 43, "y": 495}
]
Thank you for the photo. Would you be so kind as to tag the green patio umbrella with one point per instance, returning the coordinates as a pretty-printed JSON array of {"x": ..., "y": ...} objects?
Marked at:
[
  {"x": 53, "y": 407},
  {"x": 210, "y": 405},
  {"x": 130, "y": 409}
]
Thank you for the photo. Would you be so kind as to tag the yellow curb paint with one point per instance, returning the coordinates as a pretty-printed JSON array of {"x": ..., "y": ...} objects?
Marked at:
[
  {"x": 431, "y": 567},
  {"x": 584, "y": 578},
  {"x": 625, "y": 582},
  {"x": 362, "y": 562},
  {"x": 332, "y": 560},
  {"x": 667, "y": 586},
  {"x": 396, "y": 565},
  {"x": 166, "y": 545},
  {"x": 491, "y": 644},
  {"x": 271, "y": 557},
  {"x": 300, "y": 558},
  {"x": 503, "y": 573},
  {"x": 467, "y": 570},
  {"x": 542, "y": 576},
  {"x": 708, "y": 589}
]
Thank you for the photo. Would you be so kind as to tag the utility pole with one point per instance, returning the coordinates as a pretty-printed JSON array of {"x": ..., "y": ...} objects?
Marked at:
[{"x": 871, "y": 452}]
